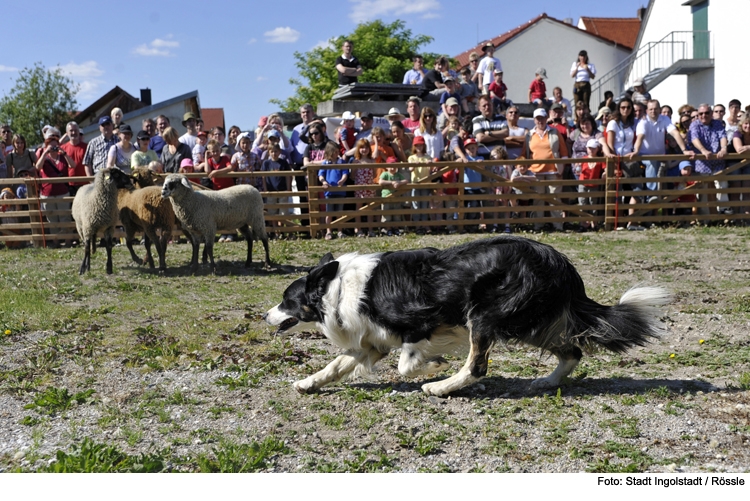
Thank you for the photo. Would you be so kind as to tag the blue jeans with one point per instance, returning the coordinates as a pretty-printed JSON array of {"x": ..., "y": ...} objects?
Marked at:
[{"x": 652, "y": 170}]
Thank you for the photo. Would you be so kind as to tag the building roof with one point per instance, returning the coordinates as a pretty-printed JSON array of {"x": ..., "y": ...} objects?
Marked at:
[
  {"x": 213, "y": 117},
  {"x": 115, "y": 98},
  {"x": 498, "y": 41},
  {"x": 622, "y": 31}
]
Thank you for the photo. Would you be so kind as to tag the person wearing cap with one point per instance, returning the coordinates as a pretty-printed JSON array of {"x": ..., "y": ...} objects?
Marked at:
[
  {"x": 557, "y": 119},
  {"x": 97, "y": 151},
  {"x": 472, "y": 176},
  {"x": 347, "y": 134},
  {"x": 587, "y": 171},
  {"x": 76, "y": 149},
  {"x": 347, "y": 65},
  {"x": 640, "y": 94},
  {"x": 393, "y": 115},
  {"x": 415, "y": 75},
  {"x": 543, "y": 143},
  {"x": 451, "y": 92},
  {"x": 487, "y": 67},
  {"x": 187, "y": 167},
  {"x": 199, "y": 150},
  {"x": 48, "y": 131},
  {"x": 120, "y": 152},
  {"x": 537, "y": 89},
  {"x": 582, "y": 71},
  {"x": 489, "y": 130},
  {"x": 54, "y": 162},
  {"x": 452, "y": 109},
  {"x": 433, "y": 81},
  {"x": 142, "y": 156},
  {"x": 190, "y": 121},
  {"x": 603, "y": 117},
  {"x": 365, "y": 130},
  {"x": 497, "y": 91}
]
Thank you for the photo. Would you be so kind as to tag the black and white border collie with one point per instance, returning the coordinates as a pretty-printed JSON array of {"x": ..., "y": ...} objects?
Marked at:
[{"x": 430, "y": 302}]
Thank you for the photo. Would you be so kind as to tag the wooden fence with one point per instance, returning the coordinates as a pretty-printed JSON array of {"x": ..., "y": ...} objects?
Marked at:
[{"x": 23, "y": 220}]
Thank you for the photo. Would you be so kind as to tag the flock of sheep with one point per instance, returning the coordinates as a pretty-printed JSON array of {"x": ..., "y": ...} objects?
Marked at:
[{"x": 114, "y": 199}]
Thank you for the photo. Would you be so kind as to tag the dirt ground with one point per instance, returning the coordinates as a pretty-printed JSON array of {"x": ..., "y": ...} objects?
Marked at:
[{"x": 184, "y": 375}]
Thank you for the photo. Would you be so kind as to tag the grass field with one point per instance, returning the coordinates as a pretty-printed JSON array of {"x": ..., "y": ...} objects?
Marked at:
[{"x": 142, "y": 371}]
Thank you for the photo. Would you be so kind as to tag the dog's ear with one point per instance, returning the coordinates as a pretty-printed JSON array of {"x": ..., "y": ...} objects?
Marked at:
[
  {"x": 320, "y": 276},
  {"x": 326, "y": 259}
]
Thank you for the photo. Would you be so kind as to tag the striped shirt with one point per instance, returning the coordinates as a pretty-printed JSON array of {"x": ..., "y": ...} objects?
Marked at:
[{"x": 97, "y": 151}]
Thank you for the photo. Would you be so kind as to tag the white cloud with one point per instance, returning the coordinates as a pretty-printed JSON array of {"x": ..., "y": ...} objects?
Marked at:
[
  {"x": 261, "y": 79},
  {"x": 323, "y": 44},
  {"x": 86, "y": 75},
  {"x": 367, "y": 10},
  {"x": 252, "y": 41},
  {"x": 282, "y": 35},
  {"x": 170, "y": 44},
  {"x": 158, "y": 47},
  {"x": 7, "y": 68}
]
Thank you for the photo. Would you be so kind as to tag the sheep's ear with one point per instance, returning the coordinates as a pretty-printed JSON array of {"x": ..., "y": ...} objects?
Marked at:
[{"x": 186, "y": 183}]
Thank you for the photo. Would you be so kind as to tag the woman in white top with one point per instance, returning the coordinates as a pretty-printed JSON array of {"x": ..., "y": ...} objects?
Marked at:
[
  {"x": 120, "y": 153},
  {"x": 620, "y": 142},
  {"x": 583, "y": 72},
  {"x": 433, "y": 138}
]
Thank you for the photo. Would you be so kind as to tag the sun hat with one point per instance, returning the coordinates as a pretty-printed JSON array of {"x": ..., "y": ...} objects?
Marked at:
[
  {"x": 187, "y": 116},
  {"x": 604, "y": 110},
  {"x": 395, "y": 112},
  {"x": 487, "y": 46},
  {"x": 348, "y": 115}
]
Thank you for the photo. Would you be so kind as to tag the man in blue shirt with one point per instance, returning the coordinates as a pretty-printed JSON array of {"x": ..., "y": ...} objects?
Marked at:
[{"x": 415, "y": 76}]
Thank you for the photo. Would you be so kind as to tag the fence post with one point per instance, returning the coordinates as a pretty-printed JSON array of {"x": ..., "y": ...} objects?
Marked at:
[
  {"x": 34, "y": 208},
  {"x": 610, "y": 196},
  {"x": 312, "y": 199},
  {"x": 461, "y": 200}
]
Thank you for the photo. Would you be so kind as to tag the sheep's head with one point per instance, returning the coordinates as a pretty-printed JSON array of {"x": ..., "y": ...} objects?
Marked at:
[
  {"x": 116, "y": 176},
  {"x": 173, "y": 184},
  {"x": 143, "y": 176}
]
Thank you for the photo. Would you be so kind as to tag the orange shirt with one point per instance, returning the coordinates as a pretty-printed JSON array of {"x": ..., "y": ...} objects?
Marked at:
[{"x": 540, "y": 149}]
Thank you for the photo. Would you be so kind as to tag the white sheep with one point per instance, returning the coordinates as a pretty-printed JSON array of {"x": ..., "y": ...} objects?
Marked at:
[
  {"x": 95, "y": 210},
  {"x": 203, "y": 213}
]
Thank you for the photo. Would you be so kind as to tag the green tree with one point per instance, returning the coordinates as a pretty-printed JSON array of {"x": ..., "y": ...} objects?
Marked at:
[
  {"x": 384, "y": 50},
  {"x": 39, "y": 97}
]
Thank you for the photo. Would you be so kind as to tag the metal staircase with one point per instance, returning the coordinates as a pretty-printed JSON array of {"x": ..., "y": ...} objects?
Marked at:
[{"x": 678, "y": 53}]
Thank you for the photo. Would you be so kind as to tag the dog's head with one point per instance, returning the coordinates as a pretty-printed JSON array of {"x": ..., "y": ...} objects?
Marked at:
[{"x": 301, "y": 307}]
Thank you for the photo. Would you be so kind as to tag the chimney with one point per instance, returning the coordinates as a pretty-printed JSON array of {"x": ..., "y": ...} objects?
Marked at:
[
  {"x": 568, "y": 20},
  {"x": 146, "y": 96},
  {"x": 641, "y": 13}
]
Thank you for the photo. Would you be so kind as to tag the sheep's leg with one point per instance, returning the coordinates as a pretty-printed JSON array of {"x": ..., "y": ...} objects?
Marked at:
[
  {"x": 245, "y": 230},
  {"x": 209, "y": 247},
  {"x": 129, "y": 235},
  {"x": 194, "y": 261},
  {"x": 159, "y": 251},
  {"x": 152, "y": 237},
  {"x": 265, "y": 247},
  {"x": 149, "y": 259},
  {"x": 205, "y": 251},
  {"x": 166, "y": 236},
  {"x": 108, "y": 244},
  {"x": 86, "y": 256}
]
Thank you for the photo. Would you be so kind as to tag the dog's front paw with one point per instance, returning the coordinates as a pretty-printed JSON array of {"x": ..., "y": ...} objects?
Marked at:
[
  {"x": 544, "y": 383},
  {"x": 436, "y": 389},
  {"x": 305, "y": 386},
  {"x": 437, "y": 365}
]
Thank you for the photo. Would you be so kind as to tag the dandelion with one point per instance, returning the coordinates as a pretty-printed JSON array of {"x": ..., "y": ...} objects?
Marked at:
[
  {"x": 701, "y": 341},
  {"x": 7, "y": 332},
  {"x": 671, "y": 356},
  {"x": 489, "y": 361}
]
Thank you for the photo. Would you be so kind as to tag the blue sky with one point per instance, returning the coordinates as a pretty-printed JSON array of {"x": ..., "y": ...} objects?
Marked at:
[{"x": 237, "y": 54}]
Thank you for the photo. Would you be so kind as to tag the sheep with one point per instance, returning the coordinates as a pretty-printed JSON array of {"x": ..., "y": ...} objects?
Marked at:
[
  {"x": 95, "y": 210},
  {"x": 203, "y": 213},
  {"x": 145, "y": 210}
]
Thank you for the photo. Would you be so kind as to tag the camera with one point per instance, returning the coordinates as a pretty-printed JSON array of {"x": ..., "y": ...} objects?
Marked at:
[{"x": 54, "y": 148}]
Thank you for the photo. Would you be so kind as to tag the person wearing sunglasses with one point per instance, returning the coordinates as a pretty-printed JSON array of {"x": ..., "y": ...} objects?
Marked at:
[
  {"x": 142, "y": 156},
  {"x": 708, "y": 136}
]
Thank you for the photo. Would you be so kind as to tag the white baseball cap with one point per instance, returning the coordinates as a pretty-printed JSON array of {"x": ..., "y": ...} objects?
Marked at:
[
  {"x": 540, "y": 112},
  {"x": 348, "y": 115}
]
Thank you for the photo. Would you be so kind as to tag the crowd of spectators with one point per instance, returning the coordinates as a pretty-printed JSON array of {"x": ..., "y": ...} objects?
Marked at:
[{"x": 467, "y": 120}]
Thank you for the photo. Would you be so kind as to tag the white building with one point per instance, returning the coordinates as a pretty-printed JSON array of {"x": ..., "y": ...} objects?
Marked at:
[
  {"x": 688, "y": 52},
  {"x": 554, "y": 45}
]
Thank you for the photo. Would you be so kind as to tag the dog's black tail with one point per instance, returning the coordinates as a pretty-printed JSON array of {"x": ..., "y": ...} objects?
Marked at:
[{"x": 631, "y": 322}]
